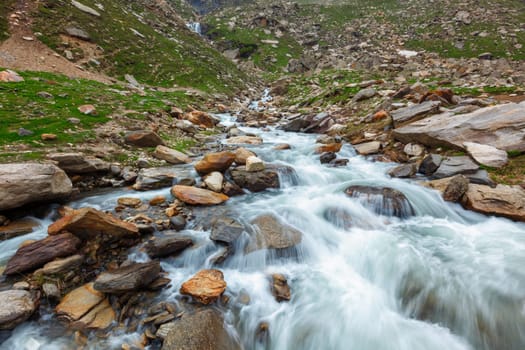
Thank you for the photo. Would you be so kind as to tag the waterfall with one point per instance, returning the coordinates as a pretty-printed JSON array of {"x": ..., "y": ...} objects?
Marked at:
[{"x": 194, "y": 27}]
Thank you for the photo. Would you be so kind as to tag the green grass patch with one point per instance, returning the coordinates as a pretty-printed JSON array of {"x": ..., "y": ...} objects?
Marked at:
[{"x": 6, "y": 7}]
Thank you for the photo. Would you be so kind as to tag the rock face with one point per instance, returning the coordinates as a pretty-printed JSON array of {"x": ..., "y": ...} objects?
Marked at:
[
  {"x": 280, "y": 289},
  {"x": 153, "y": 178},
  {"x": 507, "y": 201},
  {"x": 86, "y": 307},
  {"x": 219, "y": 161},
  {"x": 143, "y": 138},
  {"x": 203, "y": 330},
  {"x": 501, "y": 126},
  {"x": 16, "y": 306},
  {"x": 383, "y": 200},
  {"x": 487, "y": 155},
  {"x": 36, "y": 254},
  {"x": 412, "y": 113},
  {"x": 166, "y": 246},
  {"x": 129, "y": 278},
  {"x": 206, "y": 286},
  {"x": 24, "y": 183},
  {"x": 87, "y": 223},
  {"x": 271, "y": 233},
  {"x": 256, "y": 181},
  {"x": 77, "y": 163},
  {"x": 451, "y": 166},
  {"x": 197, "y": 196},
  {"x": 170, "y": 155}
]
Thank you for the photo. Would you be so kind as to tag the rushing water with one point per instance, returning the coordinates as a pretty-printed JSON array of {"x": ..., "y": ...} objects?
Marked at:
[{"x": 445, "y": 278}]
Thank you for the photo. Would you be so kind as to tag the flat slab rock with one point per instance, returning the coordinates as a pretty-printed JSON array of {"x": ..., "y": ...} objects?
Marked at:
[
  {"x": 202, "y": 330},
  {"x": 451, "y": 166},
  {"x": 36, "y": 254},
  {"x": 87, "y": 223},
  {"x": 501, "y": 126},
  {"x": 487, "y": 155},
  {"x": 78, "y": 163},
  {"x": 206, "y": 286},
  {"x": 414, "y": 112},
  {"x": 128, "y": 278},
  {"x": 24, "y": 183},
  {"x": 503, "y": 200},
  {"x": 16, "y": 306}
]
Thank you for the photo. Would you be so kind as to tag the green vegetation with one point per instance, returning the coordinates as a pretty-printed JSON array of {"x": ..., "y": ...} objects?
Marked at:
[
  {"x": 135, "y": 40},
  {"x": 22, "y": 107},
  {"x": 251, "y": 45},
  {"x": 512, "y": 173},
  {"x": 5, "y": 9}
]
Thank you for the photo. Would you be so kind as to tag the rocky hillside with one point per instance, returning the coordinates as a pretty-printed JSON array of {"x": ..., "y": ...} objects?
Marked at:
[{"x": 145, "y": 39}]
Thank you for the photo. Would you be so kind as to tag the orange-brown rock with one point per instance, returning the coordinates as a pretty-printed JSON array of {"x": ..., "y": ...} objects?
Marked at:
[
  {"x": 201, "y": 118},
  {"x": 332, "y": 147},
  {"x": 219, "y": 161},
  {"x": 380, "y": 115},
  {"x": 157, "y": 200},
  {"x": 206, "y": 286},
  {"x": 87, "y": 109},
  {"x": 197, "y": 196},
  {"x": 87, "y": 223},
  {"x": 9, "y": 76},
  {"x": 241, "y": 154},
  {"x": 48, "y": 137}
]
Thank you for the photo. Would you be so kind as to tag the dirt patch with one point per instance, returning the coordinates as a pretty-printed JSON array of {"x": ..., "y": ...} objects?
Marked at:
[{"x": 23, "y": 50}]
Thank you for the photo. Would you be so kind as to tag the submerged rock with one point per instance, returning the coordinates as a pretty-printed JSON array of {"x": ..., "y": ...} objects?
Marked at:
[
  {"x": 226, "y": 230},
  {"x": 16, "y": 306},
  {"x": 206, "y": 286},
  {"x": 271, "y": 233},
  {"x": 280, "y": 288},
  {"x": 383, "y": 200}
]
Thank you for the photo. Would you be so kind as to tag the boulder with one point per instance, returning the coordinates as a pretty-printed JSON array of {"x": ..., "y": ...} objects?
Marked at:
[
  {"x": 296, "y": 125},
  {"x": 143, "y": 138},
  {"x": 86, "y": 307},
  {"x": 230, "y": 189},
  {"x": 24, "y": 183},
  {"x": 78, "y": 163},
  {"x": 201, "y": 119},
  {"x": 197, "y": 196},
  {"x": 382, "y": 200},
  {"x": 167, "y": 246},
  {"x": 88, "y": 223},
  {"x": 430, "y": 164},
  {"x": 241, "y": 154},
  {"x": 170, "y": 155},
  {"x": 364, "y": 94},
  {"x": 202, "y": 330},
  {"x": 403, "y": 170},
  {"x": 327, "y": 157},
  {"x": 487, "y": 155},
  {"x": 503, "y": 200},
  {"x": 16, "y": 306},
  {"x": 256, "y": 181},
  {"x": 226, "y": 230},
  {"x": 254, "y": 164},
  {"x": 248, "y": 140},
  {"x": 214, "y": 181},
  {"x": 280, "y": 289},
  {"x": 451, "y": 166},
  {"x": 368, "y": 148},
  {"x": 219, "y": 161},
  {"x": 452, "y": 188},
  {"x": 271, "y": 233},
  {"x": 36, "y": 254},
  {"x": 501, "y": 126},
  {"x": 154, "y": 178},
  {"x": 9, "y": 76},
  {"x": 129, "y": 278},
  {"x": 205, "y": 287}
]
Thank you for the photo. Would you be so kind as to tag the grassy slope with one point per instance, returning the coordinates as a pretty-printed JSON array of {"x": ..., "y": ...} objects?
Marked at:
[
  {"x": 21, "y": 107},
  {"x": 167, "y": 55},
  {"x": 5, "y": 9}
]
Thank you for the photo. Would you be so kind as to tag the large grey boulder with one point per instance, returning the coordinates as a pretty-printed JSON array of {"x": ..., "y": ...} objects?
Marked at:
[
  {"x": 451, "y": 166},
  {"x": 501, "y": 126},
  {"x": 414, "y": 112},
  {"x": 24, "y": 183}
]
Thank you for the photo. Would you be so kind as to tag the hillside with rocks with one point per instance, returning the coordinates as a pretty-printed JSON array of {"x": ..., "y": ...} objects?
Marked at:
[{"x": 227, "y": 174}]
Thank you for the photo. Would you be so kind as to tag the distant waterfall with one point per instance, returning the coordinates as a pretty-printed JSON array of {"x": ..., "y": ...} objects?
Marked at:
[{"x": 194, "y": 27}]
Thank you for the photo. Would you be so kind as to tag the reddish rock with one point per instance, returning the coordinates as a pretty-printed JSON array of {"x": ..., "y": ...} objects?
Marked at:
[
  {"x": 35, "y": 254},
  {"x": 201, "y": 118},
  {"x": 48, "y": 137},
  {"x": 206, "y": 286},
  {"x": 332, "y": 147},
  {"x": 87, "y": 223},
  {"x": 280, "y": 289},
  {"x": 197, "y": 196},
  {"x": 143, "y": 138},
  {"x": 9, "y": 76},
  {"x": 380, "y": 115},
  {"x": 87, "y": 109},
  {"x": 219, "y": 161}
]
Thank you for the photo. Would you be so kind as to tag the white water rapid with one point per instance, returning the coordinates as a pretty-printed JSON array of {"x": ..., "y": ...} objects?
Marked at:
[
  {"x": 445, "y": 278},
  {"x": 195, "y": 27}
]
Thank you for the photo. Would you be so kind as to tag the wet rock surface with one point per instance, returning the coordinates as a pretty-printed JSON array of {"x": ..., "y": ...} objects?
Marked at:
[
  {"x": 16, "y": 306},
  {"x": 206, "y": 286},
  {"x": 383, "y": 200}
]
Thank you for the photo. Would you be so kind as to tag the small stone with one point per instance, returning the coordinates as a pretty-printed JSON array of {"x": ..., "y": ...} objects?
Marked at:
[
  {"x": 87, "y": 109},
  {"x": 24, "y": 132},
  {"x": 44, "y": 94},
  {"x": 73, "y": 120},
  {"x": 48, "y": 137},
  {"x": 158, "y": 200},
  {"x": 51, "y": 291},
  {"x": 214, "y": 181},
  {"x": 413, "y": 149},
  {"x": 129, "y": 202},
  {"x": 178, "y": 222}
]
